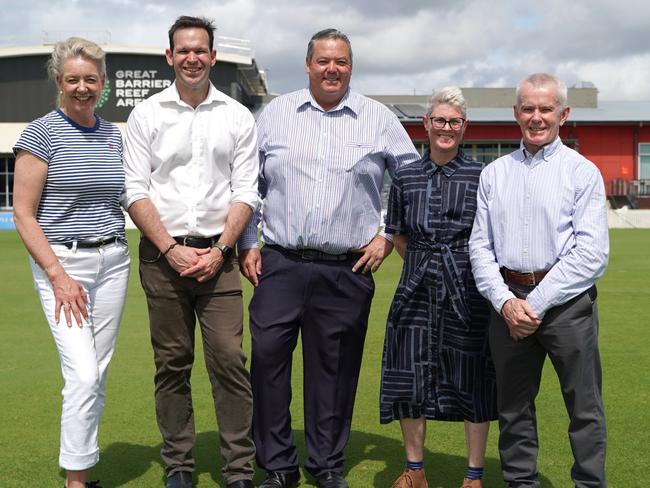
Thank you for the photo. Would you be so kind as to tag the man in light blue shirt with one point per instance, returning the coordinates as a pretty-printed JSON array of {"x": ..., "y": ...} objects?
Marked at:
[
  {"x": 539, "y": 243},
  {"x": 323, "y": 155}
]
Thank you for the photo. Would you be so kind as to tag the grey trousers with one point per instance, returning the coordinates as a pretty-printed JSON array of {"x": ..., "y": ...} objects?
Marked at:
[
  {"x": 174, "y": 304},
  {"x": 569, "y": 336}
]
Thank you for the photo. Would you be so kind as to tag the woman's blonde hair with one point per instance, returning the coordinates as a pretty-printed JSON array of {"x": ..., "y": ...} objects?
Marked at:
[{"x": 72, "y": 48}]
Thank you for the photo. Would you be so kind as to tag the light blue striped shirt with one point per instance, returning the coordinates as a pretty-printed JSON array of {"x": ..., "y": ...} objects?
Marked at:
[
  {"x": 321, "y": 173},
  {"x": 85, "y": 177},
  {"x": 537, "y": 213}
]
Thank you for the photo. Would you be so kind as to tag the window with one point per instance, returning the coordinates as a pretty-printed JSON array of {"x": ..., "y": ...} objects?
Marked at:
[
  {"x": 644, "y": 161},
  {"x": 7, "y": 164},
  {"x": 488, "y": 152}
]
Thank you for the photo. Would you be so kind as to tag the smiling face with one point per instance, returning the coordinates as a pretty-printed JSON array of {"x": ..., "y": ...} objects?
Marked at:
[
  {"x": 329, "y": 70},
  {"x": 81, "y": 86},
  {"x": 444, "y": 142},
  {"x": 539, "y": 115},
  {"x": 192, "y": 60}
]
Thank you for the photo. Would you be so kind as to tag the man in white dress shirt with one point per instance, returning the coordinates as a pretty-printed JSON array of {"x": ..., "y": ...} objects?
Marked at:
[{"x": 191, "y": 165}]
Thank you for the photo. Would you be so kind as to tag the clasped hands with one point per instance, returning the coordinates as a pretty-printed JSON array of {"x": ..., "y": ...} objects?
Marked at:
[
  {"x": 520, "y": 318},
  {"x": 198, "y": 263}
]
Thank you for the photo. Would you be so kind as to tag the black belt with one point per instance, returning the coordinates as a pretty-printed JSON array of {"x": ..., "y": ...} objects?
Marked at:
[
  {"x": 531, "y": 278},
  {"x": 314, "y": 255},
  {"x": 198, "y": 242},
  {"x": 88, "y": 243}
]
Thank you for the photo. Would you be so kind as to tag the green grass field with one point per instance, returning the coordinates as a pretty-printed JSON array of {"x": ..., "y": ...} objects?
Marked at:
[{"x": 30, "y": 384}]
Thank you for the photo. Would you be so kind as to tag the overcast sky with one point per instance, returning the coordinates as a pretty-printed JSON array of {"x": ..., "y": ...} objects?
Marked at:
[{"x": 400, "y": 46}]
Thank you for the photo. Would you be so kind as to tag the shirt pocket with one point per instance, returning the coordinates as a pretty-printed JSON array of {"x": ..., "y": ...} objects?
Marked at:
[{"x": 356, "y": 157}]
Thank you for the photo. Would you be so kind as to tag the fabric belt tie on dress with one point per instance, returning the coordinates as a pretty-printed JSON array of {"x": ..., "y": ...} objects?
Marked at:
[
  {"x": 531, "y": 278},
  {"x": 198, "y": 242},
  {"x": 89, "y": 243},
  {"x": 451, "y": 284},
  {"x": 314, "y": 255}
]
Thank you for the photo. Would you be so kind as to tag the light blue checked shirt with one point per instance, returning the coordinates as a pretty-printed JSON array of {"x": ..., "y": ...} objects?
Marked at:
[
  {"x": 537, "y": 213},
  {"x": 321, "y": 173}
]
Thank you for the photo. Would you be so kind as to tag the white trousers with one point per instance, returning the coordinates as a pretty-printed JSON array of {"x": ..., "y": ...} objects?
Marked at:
[{"x": 85, "y": 352}]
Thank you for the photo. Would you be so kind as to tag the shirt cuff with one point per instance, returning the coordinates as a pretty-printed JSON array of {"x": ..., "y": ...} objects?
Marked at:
[
  {"x": 536, "y": 302},
  {"x": 248, "y": 238}
]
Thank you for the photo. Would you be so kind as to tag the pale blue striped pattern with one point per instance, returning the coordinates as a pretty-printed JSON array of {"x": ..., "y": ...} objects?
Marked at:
[
  {"x": 538, "y": 213},
  {"x": 321, "y": 173},
  {"x": 85, "y": 177}
]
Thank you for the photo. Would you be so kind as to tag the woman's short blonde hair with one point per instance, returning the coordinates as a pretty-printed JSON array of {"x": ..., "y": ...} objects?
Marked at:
[
  {"x": 72, "y": 48},
  {"x": 450, "y": 95}
]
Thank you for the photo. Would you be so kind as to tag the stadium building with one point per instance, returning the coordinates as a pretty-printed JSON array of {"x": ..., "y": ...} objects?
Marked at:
[
  {"x": 614, "y": 135},
  {"x": 133, "y": 74}
]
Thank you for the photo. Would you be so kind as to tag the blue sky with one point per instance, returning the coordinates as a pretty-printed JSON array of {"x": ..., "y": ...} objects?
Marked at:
[{"x": 400, "y": 47}]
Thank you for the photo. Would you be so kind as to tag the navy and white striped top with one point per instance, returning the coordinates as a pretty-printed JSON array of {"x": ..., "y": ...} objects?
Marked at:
[
  {"x": 85, "y": 177},
  {"x": 321, "y": 173}
]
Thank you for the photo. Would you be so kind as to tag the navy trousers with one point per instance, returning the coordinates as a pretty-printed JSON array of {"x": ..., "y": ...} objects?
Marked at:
[{"x": 328, "y": 305}]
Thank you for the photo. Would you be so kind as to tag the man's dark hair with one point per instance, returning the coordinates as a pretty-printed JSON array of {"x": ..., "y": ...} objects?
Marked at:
[
  {"x": 327, "y": 34},
  {"x": 185, "y": 22}
]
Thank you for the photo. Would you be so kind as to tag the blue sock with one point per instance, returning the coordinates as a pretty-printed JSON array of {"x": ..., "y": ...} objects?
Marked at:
[
  {"x": 474, "y": 473},
  {"x": 414, "y": 465}
]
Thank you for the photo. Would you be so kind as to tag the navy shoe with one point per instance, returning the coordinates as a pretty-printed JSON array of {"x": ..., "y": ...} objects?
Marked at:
[
  {"x": 180, "y": 479},
  {"x": 276, "y": 479}
]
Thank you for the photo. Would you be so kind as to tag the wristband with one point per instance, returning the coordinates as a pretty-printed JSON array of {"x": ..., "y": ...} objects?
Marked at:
[{"x": 171, "y": 246}]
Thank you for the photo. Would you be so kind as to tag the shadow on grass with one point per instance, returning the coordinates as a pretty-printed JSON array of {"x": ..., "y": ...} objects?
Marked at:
[{"x": 122, "y": 463}]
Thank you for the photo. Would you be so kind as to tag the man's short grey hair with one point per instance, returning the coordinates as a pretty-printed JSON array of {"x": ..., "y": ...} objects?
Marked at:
[
  {"x": 449, "y": 95},
  {"x": 543, "y": 80},
  {"x": 327, "y": 34}
]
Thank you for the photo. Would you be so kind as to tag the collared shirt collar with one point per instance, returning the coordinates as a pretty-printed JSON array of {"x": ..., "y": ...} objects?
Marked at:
[
  {"x": 431, "y": 168},
  {"x": 350, "y": 100},
  {"x": 545, "y": 153},
  {"x": 172, "y": 95}
]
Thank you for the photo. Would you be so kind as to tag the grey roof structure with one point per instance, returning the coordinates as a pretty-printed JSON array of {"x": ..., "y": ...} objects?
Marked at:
[{"x": 607, "y": 112}]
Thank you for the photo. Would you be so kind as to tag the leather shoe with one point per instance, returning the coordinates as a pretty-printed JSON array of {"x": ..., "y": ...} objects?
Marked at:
[
  {"x": 276, "y": 479},
  {"x": 240, "y": 484},
  {"x": 331, "y": 479},
  {"x": 180, "y": 479}
]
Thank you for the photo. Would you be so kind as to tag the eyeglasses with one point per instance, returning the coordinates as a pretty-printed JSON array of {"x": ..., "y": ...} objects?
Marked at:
[{"x": 439, "y": 122}]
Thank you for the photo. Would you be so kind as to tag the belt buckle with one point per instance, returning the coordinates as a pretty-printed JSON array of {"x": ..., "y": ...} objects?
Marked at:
[
  {"x": 309, "y": 254},
  {"x": 530, "y": 277}
]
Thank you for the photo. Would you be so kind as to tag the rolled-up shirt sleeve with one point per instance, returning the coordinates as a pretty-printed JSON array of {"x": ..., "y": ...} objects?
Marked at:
[
  {"x": 137, "y": 157},
  {"x": 245, "y": 165}
]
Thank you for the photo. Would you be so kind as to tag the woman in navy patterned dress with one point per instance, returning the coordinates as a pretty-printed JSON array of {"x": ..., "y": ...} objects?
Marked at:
[{"x": 436, "y": 362}]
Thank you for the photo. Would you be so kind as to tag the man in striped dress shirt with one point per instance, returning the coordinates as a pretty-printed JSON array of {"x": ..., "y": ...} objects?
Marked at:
[
  {"x": 538, "y": 245},
  {"x": 323, "y": 155}
]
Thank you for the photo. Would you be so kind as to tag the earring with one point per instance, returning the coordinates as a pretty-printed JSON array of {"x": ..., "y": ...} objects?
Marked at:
[{"x": 60, "y": 92}]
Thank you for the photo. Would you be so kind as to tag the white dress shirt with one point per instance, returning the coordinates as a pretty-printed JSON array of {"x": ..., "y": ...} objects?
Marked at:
[
  {"x": 192, "y": 163},
  {"x": 537, "y": 213}
]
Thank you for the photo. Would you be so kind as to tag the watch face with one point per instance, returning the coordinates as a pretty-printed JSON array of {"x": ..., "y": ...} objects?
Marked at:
[{"x": 226, "y": 251}]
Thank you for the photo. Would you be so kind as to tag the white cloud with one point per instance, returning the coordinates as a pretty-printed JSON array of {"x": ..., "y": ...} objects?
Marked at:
[{"x": 399, "y": 47}]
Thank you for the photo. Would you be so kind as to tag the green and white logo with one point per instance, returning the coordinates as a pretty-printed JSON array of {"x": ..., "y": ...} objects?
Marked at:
[{"x": 105, "y": 93}]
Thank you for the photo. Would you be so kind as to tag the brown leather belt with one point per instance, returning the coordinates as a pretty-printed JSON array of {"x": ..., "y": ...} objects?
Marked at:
[{"x": 531, "y": 278}]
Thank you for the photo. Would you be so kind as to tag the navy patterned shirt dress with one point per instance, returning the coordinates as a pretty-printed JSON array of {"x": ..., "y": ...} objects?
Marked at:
[{"x": 436, "y": 361}]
